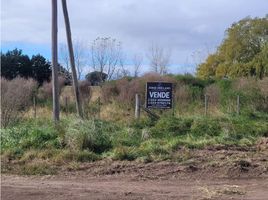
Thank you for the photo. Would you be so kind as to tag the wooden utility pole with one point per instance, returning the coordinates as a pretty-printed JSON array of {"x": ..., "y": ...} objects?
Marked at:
[
  {"x": 55, "y": 82},
  {"x": 71, "y": 56}
]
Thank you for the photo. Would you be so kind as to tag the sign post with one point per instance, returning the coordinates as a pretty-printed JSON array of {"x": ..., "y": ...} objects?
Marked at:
[{"x": 159, "y": 95}]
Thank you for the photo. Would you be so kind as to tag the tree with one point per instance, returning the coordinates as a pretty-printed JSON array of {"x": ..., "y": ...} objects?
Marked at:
[
  {"x": 41, "y": 69},
  {"x": 95, "y": 78},
  {"x": 14, "y": 64},
  {"x": 65, "y": 74},
  {"x": 122, "y": 70},
  {"x": 242, "y": 52},
  {"x": 159, "y": 59},
  {"x": 80, "y": 57},
  {"x": 64, "y": 57},
  {"x": 137, "y": 61},
  {"x": 105, "y": 56},
  {"x": 72, "y": 62}
]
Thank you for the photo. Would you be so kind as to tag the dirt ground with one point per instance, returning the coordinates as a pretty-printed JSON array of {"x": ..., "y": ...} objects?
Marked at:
[
  {"x": 72, "y": 188},
  {"x": 209, "y": 174}
]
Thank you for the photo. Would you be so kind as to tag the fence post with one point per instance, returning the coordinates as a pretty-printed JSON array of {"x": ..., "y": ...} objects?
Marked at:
[
  {"x": 238, "y": 105},
  {"x": 137, "y": 107},
  {"x": 206, "y": 104},
  {"x": 34, "y": 106}
]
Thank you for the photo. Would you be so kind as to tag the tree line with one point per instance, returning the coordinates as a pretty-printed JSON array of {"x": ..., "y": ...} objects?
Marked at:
[
  {"x": 16, "y": 64},
  {"x": 105, "y": 58},
  {"x": 243, "y": 53}
]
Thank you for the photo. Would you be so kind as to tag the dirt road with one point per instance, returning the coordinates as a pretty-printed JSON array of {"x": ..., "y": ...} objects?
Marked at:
[
  {"x": 72, "y": 188},
  {"x": 221, "y": 174}
]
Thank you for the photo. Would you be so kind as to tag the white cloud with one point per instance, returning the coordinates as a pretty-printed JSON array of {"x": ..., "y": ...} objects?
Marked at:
[{"x": 183, "y": 26}]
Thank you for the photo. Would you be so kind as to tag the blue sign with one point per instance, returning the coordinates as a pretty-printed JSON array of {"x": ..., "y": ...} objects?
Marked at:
[{"x": 159, "y": 95}]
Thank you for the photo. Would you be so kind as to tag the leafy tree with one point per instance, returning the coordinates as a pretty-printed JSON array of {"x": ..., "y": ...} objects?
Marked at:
[
  {"x": 243, "y": 52},
  {"x": 41, "y": 69},
  {"x": 95, "y": 78},
  {"x": 14, "y": 64}
]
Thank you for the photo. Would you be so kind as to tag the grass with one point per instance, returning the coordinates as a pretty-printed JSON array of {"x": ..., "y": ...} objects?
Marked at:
[
  {"x": 217, "y": 192},
  {"x": 33, "y": 142}
]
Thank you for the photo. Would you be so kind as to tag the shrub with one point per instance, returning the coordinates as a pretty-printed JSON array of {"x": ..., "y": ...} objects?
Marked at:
[
  {"x": 263, "y": 86},
  {"x": 213, "y": 93},
  {"x": 16, "y": 97},
  {"x": 109, "y": 90},
  {"x": 93, "y": 135},
  {"x": 171, "y": 126},
  {"x": 251, "y": 98},
  {"x": 124, "y": 153},
  {"x": 182, "y": 94},
  {"x": 45, "y": 91},
  {"x": 127, "y": 137},
  {"x": 154, "y": 148},
  {"x": 124, "y": 90},
  {"x": 84, "y": 88},
  {"x": 205, "y": 126},
  {"x": 239, "y": 128},
  {"x": 78, "y": 156},
  {"x": 189, "y": 79},
  {"x": 142, "y": 123},
  {"x": 30, "y": 135}
]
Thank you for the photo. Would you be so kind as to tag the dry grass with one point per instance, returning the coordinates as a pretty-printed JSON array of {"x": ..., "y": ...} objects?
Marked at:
[
  {"x": 113, "y": 112},
  {"x": 213, "y": 93},
  {"x": 16, "y": 97},
  {"x": 45, "y": 91},
  {"x": 209, "y": 193}
]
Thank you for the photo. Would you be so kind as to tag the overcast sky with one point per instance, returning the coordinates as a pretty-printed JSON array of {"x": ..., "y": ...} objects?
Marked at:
[{"x": 190, "y": 28}]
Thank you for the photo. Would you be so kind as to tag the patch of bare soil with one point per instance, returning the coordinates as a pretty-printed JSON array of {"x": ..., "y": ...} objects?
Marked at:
[{"x": 200, "y": 174}]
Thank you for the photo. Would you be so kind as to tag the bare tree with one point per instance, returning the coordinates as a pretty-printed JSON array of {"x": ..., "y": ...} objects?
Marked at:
[
  {"x": 71, "y": 55},
  {"x": 64, "y": 57},
  {"x": 122, "y": 71},
  {"x": 159, "y": 59},
  {"x": 55, "y": 88},
  {"x": 105, "y": 55},
  {"x": 80, "y": 57},
  {"x": 137, "y": 61}
]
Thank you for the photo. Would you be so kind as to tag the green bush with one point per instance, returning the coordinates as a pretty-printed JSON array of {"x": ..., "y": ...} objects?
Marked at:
[
  {"x": 238, "y": 128},
  {"x": 171, "y": 126},
  {"x": 205, "y": 126},
  {"x": 127, "y": 137},
  {"x": 78, "y": 156},
  {"x": 93, "y": 135},
  {"x": 142, "y": 123},
  {"x": 153, "y": 147},
  {"x": 124, "y": 153},
  {"x": 30, "y": 134}
]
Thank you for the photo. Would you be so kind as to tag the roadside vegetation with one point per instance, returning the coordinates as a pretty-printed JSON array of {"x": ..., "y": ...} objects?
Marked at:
[
  {"x": 236, "y": 115},
  {"x": 37, "y": 146}
]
